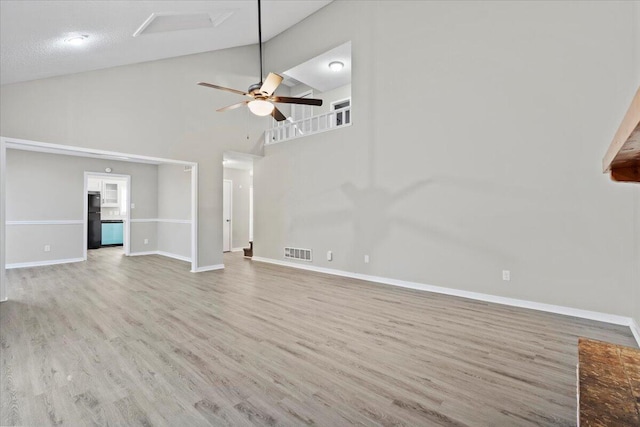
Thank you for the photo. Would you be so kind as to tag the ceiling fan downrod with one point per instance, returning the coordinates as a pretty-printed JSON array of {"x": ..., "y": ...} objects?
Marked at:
[{"x": 260, "y": 38}]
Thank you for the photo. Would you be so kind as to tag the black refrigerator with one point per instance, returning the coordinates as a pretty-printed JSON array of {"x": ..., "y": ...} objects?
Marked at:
[{"x": 94, "y": 236}]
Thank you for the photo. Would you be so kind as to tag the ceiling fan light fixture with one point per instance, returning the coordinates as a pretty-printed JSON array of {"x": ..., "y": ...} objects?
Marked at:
[
  {"x": 260, "y": 107},
  {"x": 336, "y": 66}
]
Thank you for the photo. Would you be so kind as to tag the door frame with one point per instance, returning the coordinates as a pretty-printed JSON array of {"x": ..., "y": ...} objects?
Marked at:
[
  {"x": 70, "y": 150},
  {"x": 127, "y": 201},
  {"x": 230, "y": 181}
]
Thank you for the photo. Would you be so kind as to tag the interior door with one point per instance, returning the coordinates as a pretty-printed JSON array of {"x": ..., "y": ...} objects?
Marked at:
[{"x": 227, "y": 188}]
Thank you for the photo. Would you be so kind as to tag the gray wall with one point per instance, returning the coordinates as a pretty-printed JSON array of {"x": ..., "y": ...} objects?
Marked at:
[
  {"x": 636, "y": 286},
  {"x": 174, "y": 203},
  {"x": 152, "y": 109},
  {"x": 242, "y": 181},
  {"x": 41, "y": 186},
  {"x": 477, "y": 138}
]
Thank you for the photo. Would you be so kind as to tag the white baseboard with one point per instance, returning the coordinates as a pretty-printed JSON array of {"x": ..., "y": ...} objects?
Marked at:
[
  {"x": 4, "y": 300},
  {"x": 143, "y": 253},
  {"x": 236, "y": 249},
  {"x": 167, "y": 254},
  {"x": 558, "y": 309},
  {"x": 208, "y": 268},
  {"x": 42, "y": 263},
  {"x": 174, "y": 256}
]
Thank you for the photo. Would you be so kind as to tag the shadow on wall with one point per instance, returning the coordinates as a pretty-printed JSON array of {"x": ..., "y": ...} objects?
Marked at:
[{"x": 374, "y": 212}]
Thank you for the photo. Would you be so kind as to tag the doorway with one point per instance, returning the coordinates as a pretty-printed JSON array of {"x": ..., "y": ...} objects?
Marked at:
[
  {"x": 227, "y": 197},
  {"x": 106, "y": 211},
  {"x": 237, "y": 196}
]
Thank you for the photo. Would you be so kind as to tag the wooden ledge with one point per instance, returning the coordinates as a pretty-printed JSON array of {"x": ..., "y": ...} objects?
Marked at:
[
  {"x": 609, "y": 384},
  {"x": 623, "y": 156}
]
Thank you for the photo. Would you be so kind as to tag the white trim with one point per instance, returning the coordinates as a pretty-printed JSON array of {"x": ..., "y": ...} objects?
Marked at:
[
  {"x": 126, "y": 222},
  {"x": 558, "y": 309},
  {"x": 333, "y": 104},
  {"x": 174, "y": 256},
  {"x": 71, "y": 150},
  {"x": 194, "y": 216},
  {"x": 48, "y": 222},
  {"x": 342, "y": 126},
  {"x": 237, "y": 249},
  {"x": 42, "y": 263},
  {"x": 3, "y": 227},
  {"x": 230, "y": 213},
  {"x": 173, "y": 221},
  {"x": 4, "y": 300},
  {"x": 143, "y": 253},
  {"x": 23, "y": 144},
  {"x": 635, "y": 330},
  {"x": 208, "y": 268}
]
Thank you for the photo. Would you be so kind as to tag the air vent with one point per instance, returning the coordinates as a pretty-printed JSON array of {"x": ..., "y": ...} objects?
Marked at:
[
  {"x": 166, "y": 22},
  {"x": 297, "y": 253}
]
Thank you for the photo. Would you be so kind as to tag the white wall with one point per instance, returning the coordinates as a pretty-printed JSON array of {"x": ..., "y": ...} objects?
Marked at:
[
  {"x": 337, "y": 94},
  {"x": 479, "y": 129},
  {"x": 50, "y": 187},
  {"x": 174, "y": 211},
  {"x": 152, "y": 109},
  {"x": 242, "y": 181}
]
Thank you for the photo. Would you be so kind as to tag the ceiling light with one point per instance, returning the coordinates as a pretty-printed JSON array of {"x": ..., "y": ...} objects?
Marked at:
[
  {"x": 260, "y": 107},
  {"x": 336, "y": 66},
  {"x": 76, "y": 40}
]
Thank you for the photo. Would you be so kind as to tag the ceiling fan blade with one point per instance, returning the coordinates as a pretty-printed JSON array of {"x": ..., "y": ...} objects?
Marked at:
[
  {"x": 232, "y": 107},
  {"x": 239, "y": 92},
  {"x": 304, "y": 101},
  {"x": 271, "y": 84},
  {"x": 277, "y": 114}
]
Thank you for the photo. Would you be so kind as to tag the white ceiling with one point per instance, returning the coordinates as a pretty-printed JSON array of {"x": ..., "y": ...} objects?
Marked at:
[
  {"x": 32, "y": 33},
  {"x": 317, "y": 74}
]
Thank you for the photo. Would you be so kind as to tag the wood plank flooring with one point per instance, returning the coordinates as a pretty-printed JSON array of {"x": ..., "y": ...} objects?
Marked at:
[{"x": 141, "y": 341}]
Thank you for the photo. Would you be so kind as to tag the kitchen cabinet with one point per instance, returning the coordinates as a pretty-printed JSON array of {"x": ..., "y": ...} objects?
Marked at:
[
  {"x": 94, "y": 185},
  {"x": 112, "y": 233},
  {"x": 110, "y": 194}
]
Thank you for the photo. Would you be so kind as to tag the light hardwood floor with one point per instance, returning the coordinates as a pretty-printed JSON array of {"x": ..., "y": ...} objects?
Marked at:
[{"x": 141, "y": 341}]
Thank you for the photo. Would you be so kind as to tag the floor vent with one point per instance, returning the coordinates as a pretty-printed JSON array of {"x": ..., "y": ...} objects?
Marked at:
[{"x": 297, "y": 253}]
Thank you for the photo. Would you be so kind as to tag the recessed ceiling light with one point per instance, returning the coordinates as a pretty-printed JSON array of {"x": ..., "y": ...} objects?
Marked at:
[
  {"x": 76, "y": 40},
  {"x": 336, "y": 66}
]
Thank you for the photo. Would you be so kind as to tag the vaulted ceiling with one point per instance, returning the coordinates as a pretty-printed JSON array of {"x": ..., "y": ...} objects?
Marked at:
[{"x": 33, "y": 33}]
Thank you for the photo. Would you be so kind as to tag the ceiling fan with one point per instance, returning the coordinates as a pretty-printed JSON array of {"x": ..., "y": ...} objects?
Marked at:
[{"x": 261, "y": 94}]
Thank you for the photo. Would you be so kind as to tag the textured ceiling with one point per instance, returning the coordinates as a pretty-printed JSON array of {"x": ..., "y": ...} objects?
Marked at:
[{"x": 32, "y": 33}]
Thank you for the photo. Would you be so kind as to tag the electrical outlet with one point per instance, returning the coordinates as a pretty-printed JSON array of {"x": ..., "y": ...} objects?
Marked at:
[
  {"x": 366, "y": 259},
  {"x": 146, "y": 241},
  {"x": 133, "y": 205},
  {"x": 506, "y": 275},
  {"x": 329, "y": 255},
  {"x": 47, "y": 248}
]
